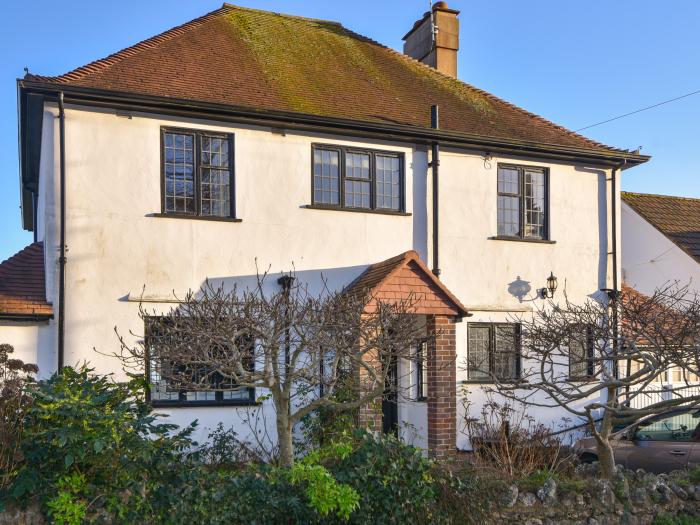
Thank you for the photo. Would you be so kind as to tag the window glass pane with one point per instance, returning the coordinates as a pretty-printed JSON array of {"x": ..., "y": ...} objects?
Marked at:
[
  {"x": 509, "y": 180},
  {"x": 213, "y": 386},
  {"x": 580, "y": 358},
  {"x": 420, "y": 368},
  {"x": 357, "y": 194},
  {"x": 388, "y": 183},
  {"x": 357, "y": 165},
  {"x": 534, "y": 203},
  {"x": 478, "y": 352},
  {"x": 179, "y": 173},
  {"x": 508, "y": 216},
  {"x": 215, "y": 189},
  {"x": 506, "y": 355},
  {"x": 675, "y": 427},
  {"x": 326, "y": 176}
]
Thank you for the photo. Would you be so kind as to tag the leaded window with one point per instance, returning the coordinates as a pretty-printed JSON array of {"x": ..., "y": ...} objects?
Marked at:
[
  {"x": 493, "y": 351},
  {"x": 522, "y": 202},
  {"x": 165, "y": 390},
  {"x": 197, "y": 173},
  {"x": 420, "y": 371},
  {"x": 357, "y": 179},
  {"x": 581, "y": 354}
]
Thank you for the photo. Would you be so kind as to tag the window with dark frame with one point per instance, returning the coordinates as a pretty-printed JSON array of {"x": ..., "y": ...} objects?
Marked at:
[
  {"x": 581, "y": 354},
  {"x": 197, "y": 173},
  {"x": 522, "y": 202},
  {"x": 357, "y": 179},
  {"x": 161, "y": 393},
  {"x": 421, "y": 371},
  {"x": 493, "y": 350}
]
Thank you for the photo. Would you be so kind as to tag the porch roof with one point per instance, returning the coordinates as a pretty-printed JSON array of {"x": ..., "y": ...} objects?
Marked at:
[{"x": 406, "y": 278}]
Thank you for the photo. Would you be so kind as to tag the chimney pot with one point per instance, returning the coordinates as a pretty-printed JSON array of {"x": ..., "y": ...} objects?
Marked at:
[{"x": 436, "y": 48}]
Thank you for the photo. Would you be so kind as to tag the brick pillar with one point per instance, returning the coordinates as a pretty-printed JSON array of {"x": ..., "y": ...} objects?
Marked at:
[
  {"x": 442, "y": 386},
  {"x": 370, "y": 414}
]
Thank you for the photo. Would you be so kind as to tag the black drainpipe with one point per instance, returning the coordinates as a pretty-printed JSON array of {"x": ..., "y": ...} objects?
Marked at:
[
  {"x": 62, "y": 231},
  {"x": 435, "y": 164},
  {"x": 615, "y": 295}
]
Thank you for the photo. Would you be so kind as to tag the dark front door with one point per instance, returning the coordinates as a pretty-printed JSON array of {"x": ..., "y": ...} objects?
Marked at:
[{"x": 390, "y": 407}]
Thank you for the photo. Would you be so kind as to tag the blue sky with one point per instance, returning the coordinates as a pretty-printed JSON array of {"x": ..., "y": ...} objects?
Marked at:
[{"x": 574, "y": 62}]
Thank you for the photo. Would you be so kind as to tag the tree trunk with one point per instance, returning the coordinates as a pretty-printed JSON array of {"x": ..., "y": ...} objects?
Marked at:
[
  {"x": 606, "y": 456},
  {"x": 284, "y": 435}
]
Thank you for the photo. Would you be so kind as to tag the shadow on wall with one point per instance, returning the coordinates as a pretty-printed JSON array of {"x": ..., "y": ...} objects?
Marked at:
[
  {"x": 519, "y": 289},
  {"x": 332, "y": 279},
  {"x": 419, "y": 165},
  {"x": 603, "y": 247}
]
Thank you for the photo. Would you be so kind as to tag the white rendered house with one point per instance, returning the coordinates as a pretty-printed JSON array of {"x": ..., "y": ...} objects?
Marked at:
[
  {"x": 247, "y": 135},
  {"x": 660, "y": 248}
]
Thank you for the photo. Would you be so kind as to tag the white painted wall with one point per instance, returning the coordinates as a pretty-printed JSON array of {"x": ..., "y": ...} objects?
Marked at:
[
  {"x": 116, "y": 247},
  {"x": 33, "y": 343},
  {"x": 650, "y": 260}
]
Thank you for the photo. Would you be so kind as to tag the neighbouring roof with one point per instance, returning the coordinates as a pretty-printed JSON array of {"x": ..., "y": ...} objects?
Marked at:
[
  {"x": 274, "y": 62},
  {"x": 22, "y": 284},
  {"x": 678, "y": 218},
  {"x": 405, "y": 277}
]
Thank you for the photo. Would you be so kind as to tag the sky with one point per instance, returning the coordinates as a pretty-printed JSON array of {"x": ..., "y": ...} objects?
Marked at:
[{"x": 575, "y": 62}]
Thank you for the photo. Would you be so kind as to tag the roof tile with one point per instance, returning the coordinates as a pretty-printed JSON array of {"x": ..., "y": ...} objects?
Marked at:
[
  {"x": 22, "y": 283},
  {"x": 269, "y": 61},
  {"x": 678, "y": 218}
]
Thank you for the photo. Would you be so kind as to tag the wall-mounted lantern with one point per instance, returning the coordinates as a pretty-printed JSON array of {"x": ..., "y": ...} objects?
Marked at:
[{"x": 552, "y": 283}]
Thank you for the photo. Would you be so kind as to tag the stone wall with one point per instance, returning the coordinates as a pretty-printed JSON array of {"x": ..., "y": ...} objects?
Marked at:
[{"x": 632, "y": 498}]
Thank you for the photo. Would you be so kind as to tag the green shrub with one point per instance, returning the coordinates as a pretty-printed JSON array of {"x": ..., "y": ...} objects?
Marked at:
[
  {"x": 394, "y": 480},
  {"x": 83, "y": 426},
  {"x": 252, "y": 497}
]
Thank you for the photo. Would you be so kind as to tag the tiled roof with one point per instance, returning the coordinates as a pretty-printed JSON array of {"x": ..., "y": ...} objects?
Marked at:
[
  {"x": 22, "y": 283},
  {"x": 274, "y": 62},
  {"x": 678, "y": 218},
  {"x": 406, "y": 277}
]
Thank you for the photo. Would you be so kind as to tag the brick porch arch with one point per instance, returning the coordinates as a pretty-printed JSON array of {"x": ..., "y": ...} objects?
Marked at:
[{"x": 400, "y": 278}]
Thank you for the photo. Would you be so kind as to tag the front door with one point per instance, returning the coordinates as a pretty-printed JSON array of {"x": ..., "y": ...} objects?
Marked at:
[
  {"x": 390, "y": 407},
  {"x": 661, "y": 444}
]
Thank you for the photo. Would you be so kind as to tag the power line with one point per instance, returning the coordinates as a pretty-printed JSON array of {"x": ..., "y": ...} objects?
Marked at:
[{"x": 639, "y": 110}]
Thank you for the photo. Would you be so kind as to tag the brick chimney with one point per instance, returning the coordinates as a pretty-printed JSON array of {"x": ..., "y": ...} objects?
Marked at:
[{"x": 439, "y": 51}]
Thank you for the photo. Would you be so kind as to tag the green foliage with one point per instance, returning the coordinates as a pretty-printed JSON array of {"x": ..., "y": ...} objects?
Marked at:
[
  {"x": 694, "y": 475},
  {"x": 68, "y": 507},
  {"x": 94, "y": 452},
  {"x": 680, "y": 519},
  {"x": 394, "y": 480},
  {"x": 325, "y": 494},
  {"x": 86, "y": 427}
]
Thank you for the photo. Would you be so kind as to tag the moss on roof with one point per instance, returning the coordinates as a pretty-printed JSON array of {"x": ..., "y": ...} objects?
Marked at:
[{"x": 269, "y": 61}]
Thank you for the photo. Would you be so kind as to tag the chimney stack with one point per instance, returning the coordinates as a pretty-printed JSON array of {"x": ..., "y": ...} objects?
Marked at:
[{"x": 434, "y": 39}]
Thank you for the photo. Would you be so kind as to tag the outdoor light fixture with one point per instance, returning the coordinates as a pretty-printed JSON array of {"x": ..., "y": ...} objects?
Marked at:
[{"x": 552, "y": 283}]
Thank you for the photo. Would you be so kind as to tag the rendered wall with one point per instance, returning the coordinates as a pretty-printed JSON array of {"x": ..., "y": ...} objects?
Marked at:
[
  {"x": 116, "y": 248},
  {"x": 650, "y": 260}
]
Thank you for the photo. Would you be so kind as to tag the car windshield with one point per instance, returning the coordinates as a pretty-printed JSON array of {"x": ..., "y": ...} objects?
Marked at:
[{"x": 677, "y": 426}]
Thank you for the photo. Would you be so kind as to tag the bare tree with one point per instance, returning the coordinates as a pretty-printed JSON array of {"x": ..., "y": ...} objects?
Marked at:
[
  {"x": 298, "y": 347},
  {"x": 601, "y": 360}
]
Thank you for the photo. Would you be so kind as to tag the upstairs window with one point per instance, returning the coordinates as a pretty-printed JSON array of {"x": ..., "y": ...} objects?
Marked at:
[
  {"x": 197, "y": 171},
  {"x": 357, "y": 179},
  {"x": 493, "y": 351},
  {"x": 522, "y": 202}
]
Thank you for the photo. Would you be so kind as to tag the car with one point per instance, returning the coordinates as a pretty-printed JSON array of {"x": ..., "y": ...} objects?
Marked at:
[{"x": 656, "y": 443}]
